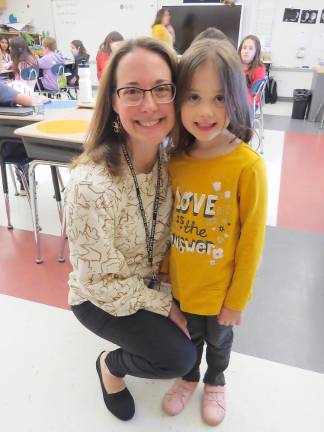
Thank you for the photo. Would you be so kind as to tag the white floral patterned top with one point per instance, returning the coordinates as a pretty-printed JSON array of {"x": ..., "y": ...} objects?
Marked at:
[{"x": 107, "y": 239}]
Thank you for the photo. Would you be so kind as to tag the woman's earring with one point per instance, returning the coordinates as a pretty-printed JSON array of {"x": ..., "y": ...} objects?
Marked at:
[{"x": 117, "y": 125}]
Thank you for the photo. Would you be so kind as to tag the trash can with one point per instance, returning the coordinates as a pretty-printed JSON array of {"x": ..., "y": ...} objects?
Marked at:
[{"x": 301, "y": 105}]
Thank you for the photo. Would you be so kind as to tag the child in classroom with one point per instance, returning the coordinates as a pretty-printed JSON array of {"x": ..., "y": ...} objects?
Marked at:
[
  {"x": 50, "y": 58},
  {"x": 5, "y": 59},
  {"x": 80, "y": 55},
  {"x": 219, "y": 213},
  {"x": 22, "y": 58},
  {"x": 254, "y": 70},
  {"x": 106, "y": 49}
]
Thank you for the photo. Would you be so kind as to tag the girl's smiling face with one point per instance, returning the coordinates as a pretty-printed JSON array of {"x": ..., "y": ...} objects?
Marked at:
[{"x": 203, "y": 112}]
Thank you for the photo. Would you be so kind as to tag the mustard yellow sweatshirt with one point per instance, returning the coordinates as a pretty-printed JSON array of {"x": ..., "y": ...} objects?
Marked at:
[
  {"x": 160, "y": 32},
  {"x": 218, "y": 227}
]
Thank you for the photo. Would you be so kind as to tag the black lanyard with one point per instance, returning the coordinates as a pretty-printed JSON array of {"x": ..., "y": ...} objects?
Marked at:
[{"x": 149, "y": 236}]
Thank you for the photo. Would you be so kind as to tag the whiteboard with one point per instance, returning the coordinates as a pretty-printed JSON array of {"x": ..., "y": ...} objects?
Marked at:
[{"x": 91, "y": 21}]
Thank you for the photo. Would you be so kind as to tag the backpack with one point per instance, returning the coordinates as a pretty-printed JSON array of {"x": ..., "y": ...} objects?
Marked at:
[{"x": 271, "y": 91}]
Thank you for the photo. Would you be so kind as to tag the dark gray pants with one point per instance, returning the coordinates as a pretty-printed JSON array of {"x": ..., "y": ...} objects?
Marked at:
[
  {"x": 218, "y": 340},
  {"x": 151, "y": 345}
]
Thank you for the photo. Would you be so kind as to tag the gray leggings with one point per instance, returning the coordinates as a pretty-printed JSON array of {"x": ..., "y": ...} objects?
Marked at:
[
  {"x": 151, "y": 345},
  {"x": 218, "y": 339}
]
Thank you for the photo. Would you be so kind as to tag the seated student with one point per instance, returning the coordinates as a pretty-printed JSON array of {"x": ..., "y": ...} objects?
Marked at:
[
  {"x": 22, "y": 58},
  {"x": 250, "y": 53},
  {"x": 51, "y": 57},
  {"x": 109, "y": 46},
  {"x": 80, "y": 54},
  {"x": 10, "y": 97},
  {"x": 5, "y": 59}
]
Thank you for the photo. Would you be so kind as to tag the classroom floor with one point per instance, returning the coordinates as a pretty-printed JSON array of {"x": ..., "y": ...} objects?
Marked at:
[{"x": 275, "y": 381}]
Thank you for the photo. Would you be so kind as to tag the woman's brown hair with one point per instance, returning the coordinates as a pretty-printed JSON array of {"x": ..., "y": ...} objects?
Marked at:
[
  {"x": 159, "y": 16},
  {"x": 103, "y": 144},
  {"x": 228, "y": 66}
]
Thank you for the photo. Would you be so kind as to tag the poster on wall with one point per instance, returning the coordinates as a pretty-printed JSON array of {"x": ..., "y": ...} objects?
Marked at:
[
  {"x": 322, "y": 17},
  {"x": 291, "y": 15},
  {"x": 308, "y": 16}
]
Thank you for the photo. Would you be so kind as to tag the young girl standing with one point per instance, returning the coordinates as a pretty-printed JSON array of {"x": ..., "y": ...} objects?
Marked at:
[
  {"x": 250, "y": 53},
  {"x": 218, "y": 222}
]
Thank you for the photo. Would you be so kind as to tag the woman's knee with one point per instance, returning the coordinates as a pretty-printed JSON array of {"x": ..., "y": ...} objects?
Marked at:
[{"x": 181, "y": 359}]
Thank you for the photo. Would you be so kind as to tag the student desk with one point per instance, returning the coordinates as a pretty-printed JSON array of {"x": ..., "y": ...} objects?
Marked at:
[{"x": 55, "y": 142}]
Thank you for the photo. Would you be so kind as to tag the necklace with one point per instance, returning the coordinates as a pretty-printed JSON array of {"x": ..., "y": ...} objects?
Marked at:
[{"x": 148, "y": 235}]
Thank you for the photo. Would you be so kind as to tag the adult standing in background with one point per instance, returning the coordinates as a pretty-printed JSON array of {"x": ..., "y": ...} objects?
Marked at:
[
  {"x": 162, "y": 29},
  {"x": 106, "y": 49},
  {"x": 118, "y": 206}
]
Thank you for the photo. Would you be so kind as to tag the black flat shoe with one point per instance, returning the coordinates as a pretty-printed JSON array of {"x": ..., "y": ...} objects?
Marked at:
[{"x": 120, "y": 404}]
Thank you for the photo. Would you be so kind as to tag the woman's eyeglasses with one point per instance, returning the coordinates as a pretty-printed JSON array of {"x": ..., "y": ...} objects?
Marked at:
[{"x": 132, "y": 96}]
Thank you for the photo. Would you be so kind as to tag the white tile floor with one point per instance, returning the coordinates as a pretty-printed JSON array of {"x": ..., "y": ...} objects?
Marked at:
[
  {"x": 279, "y": 108},
  {"x": 49, "y": 383}
]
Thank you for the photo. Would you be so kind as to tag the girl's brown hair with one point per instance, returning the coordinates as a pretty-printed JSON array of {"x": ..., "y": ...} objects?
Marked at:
[
  {"x": 82, "y": 51},
  {"x": 103, "y": 144},
  {"x": 257, "y": 57},
  {"x": 20, "y": 53},
  {"x": 228, "y": 66},
  {"x": 111, "y": 37}
]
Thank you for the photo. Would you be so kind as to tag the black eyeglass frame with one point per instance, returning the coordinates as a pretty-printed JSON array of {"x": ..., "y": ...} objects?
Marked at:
[{"x": 174, "y": 89}]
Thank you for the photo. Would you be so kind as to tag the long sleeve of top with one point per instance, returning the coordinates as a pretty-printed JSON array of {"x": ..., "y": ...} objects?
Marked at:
[
  {"x": 217, "y": 231},
  {"x": 256, "y": 74},
  {"x": 101, "y": 61},
  {"x": 7, "y": 95},
  {"x": 107, "y": 240},
  {"x": 160, "y": 32}
]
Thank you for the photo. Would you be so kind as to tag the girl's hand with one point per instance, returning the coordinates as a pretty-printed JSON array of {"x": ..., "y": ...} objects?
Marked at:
[
  {"x": 179, "y": 319},
  {"x": 229, "y": 317},
  {"x": 164, "y": 277}
]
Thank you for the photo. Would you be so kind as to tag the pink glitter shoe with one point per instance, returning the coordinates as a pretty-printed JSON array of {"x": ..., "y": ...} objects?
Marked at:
[
  {"x": 177, "y": 397},
  {"x": 213, "y": 405}
]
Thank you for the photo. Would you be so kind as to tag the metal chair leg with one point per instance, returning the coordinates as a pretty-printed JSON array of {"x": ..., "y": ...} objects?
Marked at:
[
  {"x": 12, "y": 175},
  {"x": 33, "y": 200},
  {"x": 5, "y": 191}
]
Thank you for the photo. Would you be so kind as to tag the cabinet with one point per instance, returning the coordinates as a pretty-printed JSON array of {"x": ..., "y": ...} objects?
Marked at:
[
  {"x": 3, "y": 4},
  {"x": 8, "y": 35}
]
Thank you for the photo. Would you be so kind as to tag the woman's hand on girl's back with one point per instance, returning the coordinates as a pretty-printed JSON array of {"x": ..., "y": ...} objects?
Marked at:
[{"x": 179, "y": 319}]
